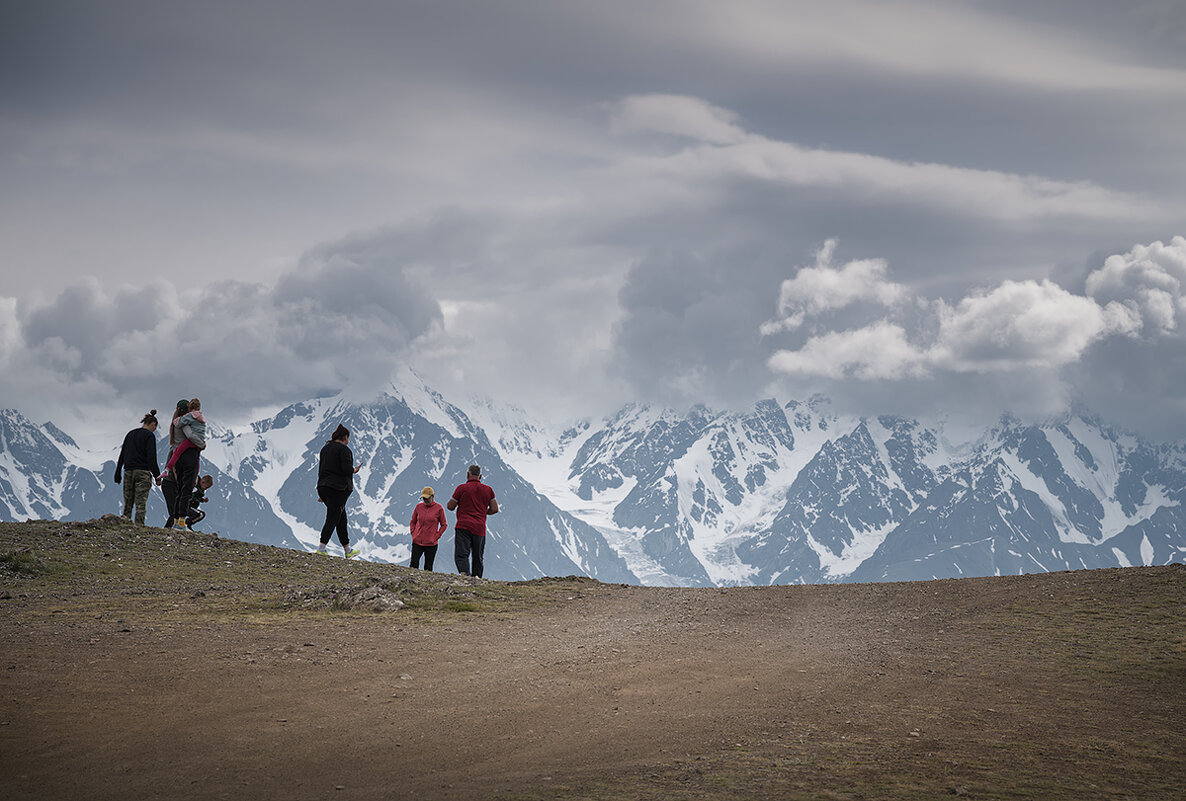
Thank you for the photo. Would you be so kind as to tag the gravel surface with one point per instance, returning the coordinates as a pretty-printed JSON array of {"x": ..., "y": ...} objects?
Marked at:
[{"x": 1068, "y": 685}]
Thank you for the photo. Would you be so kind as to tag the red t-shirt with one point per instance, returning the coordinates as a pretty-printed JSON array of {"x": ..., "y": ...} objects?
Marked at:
[
  {"x": 473, "y": 500},
  {"x": 428, "y": 523}
]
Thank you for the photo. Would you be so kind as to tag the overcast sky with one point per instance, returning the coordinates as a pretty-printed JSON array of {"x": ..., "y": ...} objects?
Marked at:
[{"x": 929, "y": 208}]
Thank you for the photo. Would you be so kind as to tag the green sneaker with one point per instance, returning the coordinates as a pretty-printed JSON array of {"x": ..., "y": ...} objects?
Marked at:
[
  {"x": 352, "y": 553},
  {"x": 322, "y": 551}
]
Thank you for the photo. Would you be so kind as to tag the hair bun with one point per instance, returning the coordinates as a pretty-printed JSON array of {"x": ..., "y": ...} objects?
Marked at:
[{"x": 152, "y": 412}]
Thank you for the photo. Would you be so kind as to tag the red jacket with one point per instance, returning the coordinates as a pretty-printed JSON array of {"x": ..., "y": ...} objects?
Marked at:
[
  {"x": 428, "y": 523},
  {"x": 473, "y": 499}
]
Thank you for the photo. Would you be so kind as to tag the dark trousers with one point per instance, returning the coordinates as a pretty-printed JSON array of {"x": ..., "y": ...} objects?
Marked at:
[
  {"x": 186, "y": 470},
  {"x": 466, "y": 543},
  {"x": 429, "y": 552},
  {"x": 335, "y": 514},
  {"x": 169, "y": 488}
]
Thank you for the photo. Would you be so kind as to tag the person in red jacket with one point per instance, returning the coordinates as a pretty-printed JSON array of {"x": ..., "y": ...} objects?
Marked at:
[
  {"x": 428, "y": 524},
  {"x": 472, "y": 501}
]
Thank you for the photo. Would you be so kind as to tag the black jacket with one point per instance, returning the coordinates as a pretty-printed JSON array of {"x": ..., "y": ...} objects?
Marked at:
[
  {"x": 336, "y": 470},
  {"x": 138, "y": 453}
]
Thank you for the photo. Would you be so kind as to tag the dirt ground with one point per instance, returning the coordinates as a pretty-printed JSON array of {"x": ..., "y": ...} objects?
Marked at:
[{"x": 1068, "y": 685}]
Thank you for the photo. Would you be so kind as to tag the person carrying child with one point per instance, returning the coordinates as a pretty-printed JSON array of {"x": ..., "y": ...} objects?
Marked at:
[
  {"x": 193, "y": 425},
  {"x": 428, "y": 524},
  {"x": 186, "y": 460},
  {"x": 166, "y": 481}
]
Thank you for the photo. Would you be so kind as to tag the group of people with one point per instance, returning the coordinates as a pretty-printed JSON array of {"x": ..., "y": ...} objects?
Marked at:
[
  {"x": 473, "y": 502},
  {"x": 138, "y": 468}
]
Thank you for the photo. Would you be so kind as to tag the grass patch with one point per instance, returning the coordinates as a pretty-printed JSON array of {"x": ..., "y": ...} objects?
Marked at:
[
  {"x": 22, "y": 562},
  {"x": 113, "y": 565}
]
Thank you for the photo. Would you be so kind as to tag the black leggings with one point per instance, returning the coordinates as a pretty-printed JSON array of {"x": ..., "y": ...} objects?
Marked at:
[
  {"x": 186, "y": 469},
  {"x": 169, "y": 488},
  {"x": 428, "y": 551},
  {"x": 335, "y": 514}
]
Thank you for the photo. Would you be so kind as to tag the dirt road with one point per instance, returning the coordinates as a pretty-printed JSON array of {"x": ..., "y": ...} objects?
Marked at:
[{"x": 1063, "y": 686}]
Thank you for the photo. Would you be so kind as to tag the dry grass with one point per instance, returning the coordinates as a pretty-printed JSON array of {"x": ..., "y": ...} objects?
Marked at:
[{"x": 144, "y": 572}]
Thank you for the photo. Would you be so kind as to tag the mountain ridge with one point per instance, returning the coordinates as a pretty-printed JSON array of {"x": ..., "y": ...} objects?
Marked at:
[{"x": 780, "y": 492}]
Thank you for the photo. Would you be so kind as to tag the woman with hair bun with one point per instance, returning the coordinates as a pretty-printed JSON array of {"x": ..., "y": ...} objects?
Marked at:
[
  {"x": 335, "y": 482},
  {"x": 138, "y": 459}
]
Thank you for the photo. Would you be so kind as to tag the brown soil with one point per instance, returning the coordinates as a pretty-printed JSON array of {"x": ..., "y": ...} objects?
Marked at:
[{"x": 1069, "y": 685}]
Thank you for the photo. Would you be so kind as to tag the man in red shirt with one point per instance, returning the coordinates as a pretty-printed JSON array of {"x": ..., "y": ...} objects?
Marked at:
[{"x": 472, "y": 501}]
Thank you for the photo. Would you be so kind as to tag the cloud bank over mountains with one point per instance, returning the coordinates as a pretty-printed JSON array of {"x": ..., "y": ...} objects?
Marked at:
[
  {"x": 348, "y": 318},
  {"x": 334, "y": 322},
  {"x": 1016, "y": 325},
  {"x": 568, "y": 206},
  {"x": 1018, "y": 331}
]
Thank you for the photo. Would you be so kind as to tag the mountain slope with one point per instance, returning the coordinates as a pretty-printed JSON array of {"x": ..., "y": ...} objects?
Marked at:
[
  {"x": 779, "y": 493},
  {"x": 402, "y": 447},
  {"x": 790, "y": 492}
]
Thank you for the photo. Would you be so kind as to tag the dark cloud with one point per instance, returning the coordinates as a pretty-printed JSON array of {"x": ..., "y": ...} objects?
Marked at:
[
  {"x": 86, "y": 319},
  {"x": 1136, "y": 384},
  {"x": 687, "y": 332},
  {"x": 582, "y": 203},
  {"x": 332, "y": 323}
]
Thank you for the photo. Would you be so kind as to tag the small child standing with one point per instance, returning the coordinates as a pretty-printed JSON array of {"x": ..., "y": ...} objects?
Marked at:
[
  {"x": 193, "y": 424},
  {"x": 195, "y": 514}
]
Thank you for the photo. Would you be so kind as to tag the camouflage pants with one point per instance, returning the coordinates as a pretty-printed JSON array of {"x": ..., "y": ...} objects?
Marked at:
[{"x": 137, "y": 484}]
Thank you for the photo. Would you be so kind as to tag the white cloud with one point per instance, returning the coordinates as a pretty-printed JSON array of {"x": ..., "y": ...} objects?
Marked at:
[
  {"x": 821, "y": 288},
  {"x": 678, "y": 115},
  {"x": 1149, "y": 280},
  {"x": 1019, "y": 324},
  {"x": 1015, "y": 327},
  {"x": 874, "y": 352},
  {"x": 722, "y": 151},
  {"x": 912, "y": 38}
]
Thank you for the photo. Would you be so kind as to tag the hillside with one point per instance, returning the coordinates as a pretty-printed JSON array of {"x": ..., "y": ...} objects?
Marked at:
[{"x": 140, "y": 663}]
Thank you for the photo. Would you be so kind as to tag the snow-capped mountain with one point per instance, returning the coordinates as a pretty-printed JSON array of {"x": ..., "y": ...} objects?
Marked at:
[
  {"x": 781, "y": 492},
  {"x": 405, "y": 442},
  {"x": 43, "y": 472},
  {"x": 1069, "y": 495},
  {"x": 265, "y": 479},
  {"x": 791, "y": 492}
]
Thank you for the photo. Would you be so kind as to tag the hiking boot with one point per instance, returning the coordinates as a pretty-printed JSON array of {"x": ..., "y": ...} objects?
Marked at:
[{"x": 352, "y": 552}]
